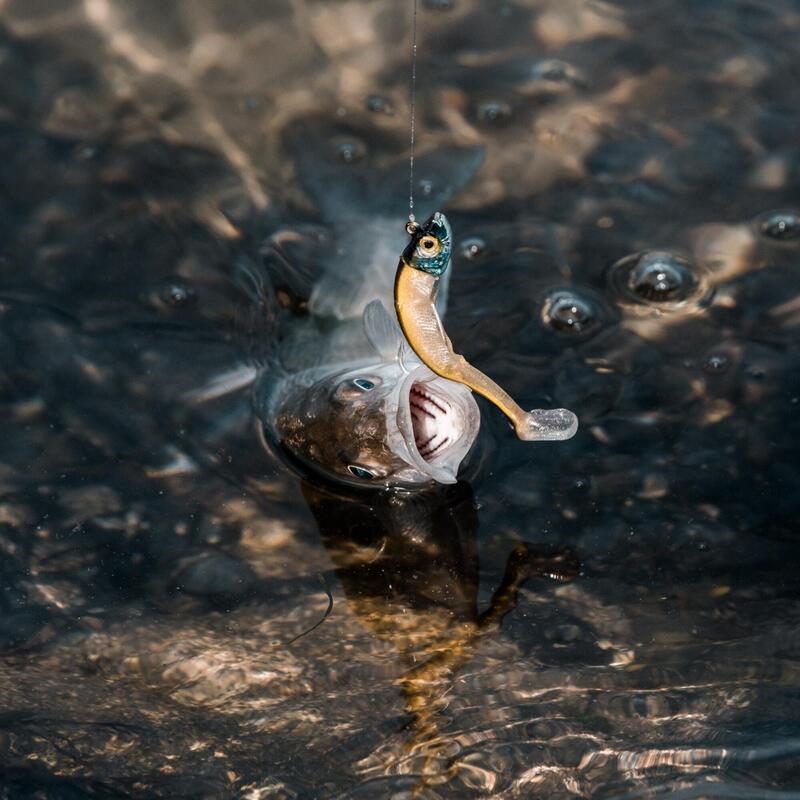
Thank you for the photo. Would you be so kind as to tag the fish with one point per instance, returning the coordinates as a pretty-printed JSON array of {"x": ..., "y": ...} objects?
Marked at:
[
  {"x": 380, "y": 419},
  {"x": 345, "y": 397}
]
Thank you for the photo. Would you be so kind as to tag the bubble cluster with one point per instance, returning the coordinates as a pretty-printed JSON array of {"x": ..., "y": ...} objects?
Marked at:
[
  {"x": 655, "y": 278},
  {"x": 780, "y": 226}
]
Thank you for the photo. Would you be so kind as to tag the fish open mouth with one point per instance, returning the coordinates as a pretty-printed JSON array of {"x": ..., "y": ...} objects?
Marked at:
[{"x": 436, "y": 422}]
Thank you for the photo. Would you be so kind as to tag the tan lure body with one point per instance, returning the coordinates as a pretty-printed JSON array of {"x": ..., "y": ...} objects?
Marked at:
[{"x": 418, "y": 274}]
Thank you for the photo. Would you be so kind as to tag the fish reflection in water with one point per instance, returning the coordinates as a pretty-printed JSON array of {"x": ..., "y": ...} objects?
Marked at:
[{"x": 408, "y": 564}]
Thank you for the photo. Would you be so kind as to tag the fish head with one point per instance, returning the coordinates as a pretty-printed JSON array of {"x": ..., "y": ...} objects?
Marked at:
[
  {"x": 431, "y": 245},
  {"x": 378, "y": 424}
]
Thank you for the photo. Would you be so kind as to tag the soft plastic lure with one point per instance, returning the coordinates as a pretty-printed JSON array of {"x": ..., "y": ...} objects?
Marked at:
[{"x": 421, "y": 266}]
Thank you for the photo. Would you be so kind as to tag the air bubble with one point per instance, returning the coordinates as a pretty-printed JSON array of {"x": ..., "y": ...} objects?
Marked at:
[
  {"x": 716, "y": 364},
  {"x": 781, "y": 226},
  {"x": 86, "y": 152},
  {"x": 178, "y": 296},
  {"x": 577, "y": 312},
  {"x": 555, "y": 71},
  {"x": 425, "y": 188},
  {"x": 379, "y": 104},
  {"x": 174, "y": 295},
  {"x": 567, "y": 312},
  {"x": 472, "y": 248},
  {"x": 494, "y": 111},
  {"x": 550, "y": 70},
  {"x": 660, "y": 277},
  {"x": 655, "y": 278},
  {"x": 350, "y": 152}
]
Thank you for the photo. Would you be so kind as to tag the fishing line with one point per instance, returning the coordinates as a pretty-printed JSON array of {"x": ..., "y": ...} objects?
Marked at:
[
  {"x": 324, "y": 616},
  {"x": 412, "y": 223}
]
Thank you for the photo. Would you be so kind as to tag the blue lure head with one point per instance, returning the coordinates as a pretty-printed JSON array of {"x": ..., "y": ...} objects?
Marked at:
[{"x": 430, "y": 246}]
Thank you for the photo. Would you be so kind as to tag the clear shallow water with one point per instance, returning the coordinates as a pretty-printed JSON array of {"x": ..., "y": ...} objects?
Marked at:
[{"x": 619, "y": 254}]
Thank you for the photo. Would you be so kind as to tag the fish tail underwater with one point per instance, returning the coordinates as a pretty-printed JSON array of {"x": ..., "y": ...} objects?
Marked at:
[{"x": 258, "y": 536}]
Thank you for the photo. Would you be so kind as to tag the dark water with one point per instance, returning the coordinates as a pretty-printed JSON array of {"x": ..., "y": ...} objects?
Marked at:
[{"x": 612, "y": 617}]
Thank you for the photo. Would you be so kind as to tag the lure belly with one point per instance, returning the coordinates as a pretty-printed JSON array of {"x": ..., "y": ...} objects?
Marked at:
[{"x": 421, "y": 266}]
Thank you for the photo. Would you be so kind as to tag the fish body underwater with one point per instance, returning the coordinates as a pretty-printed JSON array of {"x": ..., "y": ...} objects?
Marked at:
[{"x": 344, "y": 396}]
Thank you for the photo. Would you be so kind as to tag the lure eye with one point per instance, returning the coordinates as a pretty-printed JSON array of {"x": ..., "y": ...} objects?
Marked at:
[
  {"x": 429, "y": 246},
  {"x": 360, "y": 472},
  {"x": 364, "y": 384}
]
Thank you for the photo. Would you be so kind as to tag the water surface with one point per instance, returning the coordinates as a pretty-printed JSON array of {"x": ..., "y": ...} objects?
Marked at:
[{"x": 612, "y": 617}]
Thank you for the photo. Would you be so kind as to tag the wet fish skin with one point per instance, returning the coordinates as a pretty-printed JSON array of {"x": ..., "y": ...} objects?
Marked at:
[{"x": 325, "y": 421}]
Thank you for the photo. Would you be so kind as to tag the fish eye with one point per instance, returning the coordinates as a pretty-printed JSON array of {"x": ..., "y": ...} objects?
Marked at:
[
  {"x": 360, "y": 472},
  {"x": 364, "y": 384},
  {"x": 429, "y": 246}
]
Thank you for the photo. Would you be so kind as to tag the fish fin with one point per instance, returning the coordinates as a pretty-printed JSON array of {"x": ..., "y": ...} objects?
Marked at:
[
  {"x": 256, "y": 319},
  {"x": 225, "y": 383},
  {"x": 383, "y": 331}
]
